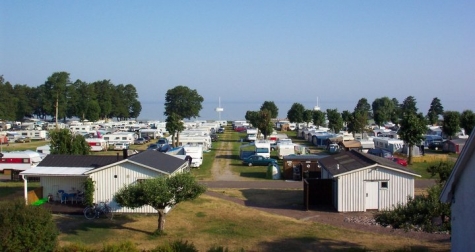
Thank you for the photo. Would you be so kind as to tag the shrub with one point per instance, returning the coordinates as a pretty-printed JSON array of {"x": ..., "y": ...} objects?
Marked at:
[
  {"x": 176, "y": 246},
  {"x": 419, "y": 213},
  {"x": 26, "y": 228}
]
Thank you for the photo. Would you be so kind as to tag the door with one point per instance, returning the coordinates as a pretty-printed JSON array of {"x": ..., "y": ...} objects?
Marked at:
[{"x": 372, "y": 195}]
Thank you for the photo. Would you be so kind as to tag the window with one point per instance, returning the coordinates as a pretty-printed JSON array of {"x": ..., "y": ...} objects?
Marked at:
[{"x": 384, "y": 185}]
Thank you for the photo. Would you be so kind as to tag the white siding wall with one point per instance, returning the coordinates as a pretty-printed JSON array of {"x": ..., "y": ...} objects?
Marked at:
[
  {"x": 53, "y": 184},
  {"x": 351, "y": 189},
  {"x": 463, "y": 230},
  {"x": 110, "y": 180}
]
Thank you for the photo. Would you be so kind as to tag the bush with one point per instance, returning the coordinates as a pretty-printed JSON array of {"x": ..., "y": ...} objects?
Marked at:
[
  {"x": 26, "y": 228},
  {"x": 176, "y": 246},
  {"x": 419, "y": 213}
]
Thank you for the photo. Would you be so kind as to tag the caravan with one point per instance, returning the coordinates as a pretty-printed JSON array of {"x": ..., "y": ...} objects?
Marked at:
[
  {"x": 120, "y": 137},
  {"x": 97, "y": 144},
  {"x": 19, "y": 160}
]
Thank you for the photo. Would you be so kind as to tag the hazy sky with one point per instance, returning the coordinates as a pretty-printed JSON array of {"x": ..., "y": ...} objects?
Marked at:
[{"x": 248, "y": 52}]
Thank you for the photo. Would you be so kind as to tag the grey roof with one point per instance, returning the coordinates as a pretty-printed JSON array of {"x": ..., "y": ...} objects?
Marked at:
[
  {"x": 158, "y": 160},
  {"x": 348, "y": 161},
  {"x": 93, "y": 161}
]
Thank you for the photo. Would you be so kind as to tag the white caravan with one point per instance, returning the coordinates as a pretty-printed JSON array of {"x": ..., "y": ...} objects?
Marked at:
[
  {"x": 205, "y": 141},
  {"x": 120, "y": 137},
  {"x": 196, "y": 154},
  {"x": 19, "y": 160},
  {"x": 97, "y": 144},
  {"x": 262, "y": 148}
]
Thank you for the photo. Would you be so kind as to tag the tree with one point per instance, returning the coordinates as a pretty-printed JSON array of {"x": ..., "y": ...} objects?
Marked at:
[
  {"x": 382, "y": 110},
  {"x": 364, "y": 107},
  {"x": 63, "y": 142},
  {"x": 318, "y": 118},
  {"x": 252, "y": 117},
  {"x": 271, "y": 107},
  {"x": 264, "y": 123},
  {"x": 56, "y": 88},
  {"x": 308, "y": 116},
  {"x": 346, "y": 116},
  {"x": 335, "y": 121},
  {"x": 467, "y": 121},
  {"x": 451, "y": 123},
  {"x": 413, "y": 125},
  {"x": 396, "y": 114},
  {"x": 182, "y": 102},
  {"x": 26, "y": 227},
  {"x": 435, "y": 110},
  {"x": 174, "y": 124},
  {"x": 295, "y": 113},
  {"x": 160, "y": 193}
]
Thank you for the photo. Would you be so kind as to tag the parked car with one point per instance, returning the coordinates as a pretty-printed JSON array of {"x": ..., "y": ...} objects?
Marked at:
[
  {"x": 258, "y": 160},
  {"x": 436, "y": 145},
  {"x": 121, "y": 146},
  {"x": 400, "y": 161},
  {"x": 221, "y": 130},
  {"x": 23, "y": 140},
  {"x": 163, "y": 145},
  {"x": 140, "y": 140}
]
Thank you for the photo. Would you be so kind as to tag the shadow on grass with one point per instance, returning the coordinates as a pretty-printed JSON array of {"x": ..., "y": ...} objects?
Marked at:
[
  {"x": 76, "y": 224},
  {"x": 321, "y": 244}
]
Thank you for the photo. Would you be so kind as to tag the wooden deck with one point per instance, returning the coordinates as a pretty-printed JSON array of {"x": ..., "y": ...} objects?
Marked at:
[{"x": 62, "y": 208}]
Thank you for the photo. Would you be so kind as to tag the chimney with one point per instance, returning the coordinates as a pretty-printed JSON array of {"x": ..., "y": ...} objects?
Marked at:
[
  {"x": 125, "y": 153},
  {"x": 117, "y": 156}
]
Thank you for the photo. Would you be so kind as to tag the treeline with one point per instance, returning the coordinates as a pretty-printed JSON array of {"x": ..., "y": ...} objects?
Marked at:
[{"x": 60, "y": 98}]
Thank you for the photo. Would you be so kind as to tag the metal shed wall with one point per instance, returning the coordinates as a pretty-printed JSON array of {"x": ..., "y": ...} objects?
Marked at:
[
  {"x": 351, "y": 189},
  {"x": 110, "y": 180}
]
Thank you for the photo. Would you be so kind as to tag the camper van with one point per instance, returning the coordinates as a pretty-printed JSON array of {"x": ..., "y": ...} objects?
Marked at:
[{"x": 196, "y": 154}]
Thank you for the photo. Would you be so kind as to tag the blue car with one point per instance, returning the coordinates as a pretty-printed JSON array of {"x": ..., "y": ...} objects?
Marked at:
[{"x": 258, "y": 160}]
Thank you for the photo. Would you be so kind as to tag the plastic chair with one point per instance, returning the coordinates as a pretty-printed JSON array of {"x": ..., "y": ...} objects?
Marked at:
[{"x": 63, "y": 196}]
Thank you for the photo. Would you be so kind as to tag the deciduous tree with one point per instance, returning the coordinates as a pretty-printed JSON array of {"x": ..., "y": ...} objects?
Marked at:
[
  {"x": 295, "y": 113},
  {"x": 467, "y": 121},
  {"x": 161, "y": 193},
  {"x": 271, "y": 107},
  {"x": 413, "y": 125},
  {"x": 182, "y": 102},
  {"x": 451, "y": 124},
  {"x": 63, "y": 142},
  {"x": 382, "y": 110},
  {"x": 335, "y": 122}
]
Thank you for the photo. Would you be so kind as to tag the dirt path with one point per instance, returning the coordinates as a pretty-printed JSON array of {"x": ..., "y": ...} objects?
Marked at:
[{"x": 221, "y": 170}]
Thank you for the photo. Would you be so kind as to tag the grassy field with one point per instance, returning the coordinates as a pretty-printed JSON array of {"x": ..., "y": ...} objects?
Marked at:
[{"x": 209, "y": 221}]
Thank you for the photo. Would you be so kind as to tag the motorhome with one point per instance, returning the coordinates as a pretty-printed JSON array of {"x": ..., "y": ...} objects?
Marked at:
[
  {"x": 19, "y": 160},
  {"x": 120, "y": 137},
  {"x": 97, "y": 144}
]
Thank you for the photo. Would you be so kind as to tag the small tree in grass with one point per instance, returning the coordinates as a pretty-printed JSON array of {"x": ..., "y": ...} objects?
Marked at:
[{"x": 161, "y": 193}]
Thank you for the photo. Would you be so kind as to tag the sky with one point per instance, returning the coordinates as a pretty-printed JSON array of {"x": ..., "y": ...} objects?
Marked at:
[{"x": 238, "y": 54}]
